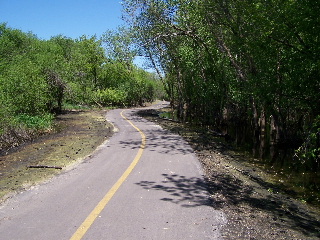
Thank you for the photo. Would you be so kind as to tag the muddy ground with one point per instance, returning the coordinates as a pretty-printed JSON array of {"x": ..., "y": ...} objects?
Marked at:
[
  {"x": 255, "y": 206},
  {"x": 77, "y": 134}
]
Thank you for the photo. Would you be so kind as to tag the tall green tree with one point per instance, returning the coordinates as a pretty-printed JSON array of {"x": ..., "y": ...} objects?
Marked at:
[{"x": 251, "y": 69}]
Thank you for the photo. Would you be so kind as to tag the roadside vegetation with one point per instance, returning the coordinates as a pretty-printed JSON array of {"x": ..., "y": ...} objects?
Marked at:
[
  {"x": 247, "y": 70},
  {"x": 40, "y": 78}
]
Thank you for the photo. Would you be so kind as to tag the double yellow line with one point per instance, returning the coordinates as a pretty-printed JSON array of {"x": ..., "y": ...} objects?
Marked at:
[{"x": 84, "y": 227}]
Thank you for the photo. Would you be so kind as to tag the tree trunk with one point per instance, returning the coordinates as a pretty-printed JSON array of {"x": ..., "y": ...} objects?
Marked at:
[
  {"x": 262, "y": 134},
  {"x": 256, "y": 129}
]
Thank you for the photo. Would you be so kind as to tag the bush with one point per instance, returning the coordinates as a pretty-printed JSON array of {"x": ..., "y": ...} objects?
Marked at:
[
  {"x": 39, "y": 122},
  {"x": 22, "y": 128},
  {"x": 110, "y": 97},
  {"x": 309, "y": 152}
]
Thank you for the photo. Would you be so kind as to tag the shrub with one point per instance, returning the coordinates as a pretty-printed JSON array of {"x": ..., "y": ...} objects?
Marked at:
[
  {"x": 39, "y": 122},
  {"x": 110, "y": 97}
]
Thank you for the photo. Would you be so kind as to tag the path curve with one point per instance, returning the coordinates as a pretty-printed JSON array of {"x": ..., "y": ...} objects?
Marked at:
[{"x": 163, "y": 197}]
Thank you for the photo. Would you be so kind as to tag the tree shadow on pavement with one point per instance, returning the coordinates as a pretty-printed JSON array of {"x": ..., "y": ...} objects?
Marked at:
[
  {"x": 228, "y": 191},
  {"x": 161, "y": 141},
  {"x": 187, "y": 192}
]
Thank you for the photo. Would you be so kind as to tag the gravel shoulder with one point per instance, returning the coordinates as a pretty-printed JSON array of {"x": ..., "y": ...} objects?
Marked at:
[{"x": 255, "y": 206}]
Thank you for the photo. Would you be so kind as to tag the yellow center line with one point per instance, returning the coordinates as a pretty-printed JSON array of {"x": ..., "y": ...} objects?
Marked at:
[{"x": 104, "y": 201}]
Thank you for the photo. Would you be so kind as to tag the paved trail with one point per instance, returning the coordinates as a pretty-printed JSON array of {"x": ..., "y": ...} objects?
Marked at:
[{"x": 143, "y": 183}]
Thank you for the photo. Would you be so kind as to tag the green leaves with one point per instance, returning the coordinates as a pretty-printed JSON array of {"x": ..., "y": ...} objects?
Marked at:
[
  {"x": 37, "y": 76},
  {"x": 42, "y": 122},
  {"x": 309, "y": 152},
  {"x": 119, "y": 45},
  {"x": 233, "y": 62},
  {"x": 110, "y": 97}
]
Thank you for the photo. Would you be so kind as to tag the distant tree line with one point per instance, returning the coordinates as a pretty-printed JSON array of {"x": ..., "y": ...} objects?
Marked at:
[
  {"x": 38, "y": 77},
  {"x": 248, "y": 68}
]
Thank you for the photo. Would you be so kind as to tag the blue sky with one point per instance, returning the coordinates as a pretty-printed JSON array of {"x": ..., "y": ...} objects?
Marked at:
[{"x": 71, "y": 18}]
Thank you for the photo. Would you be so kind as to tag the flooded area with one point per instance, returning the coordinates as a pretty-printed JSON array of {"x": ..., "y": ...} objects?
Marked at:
[
  {"x": 169, "y": 115},
  {"x": 302, "y": 185}
]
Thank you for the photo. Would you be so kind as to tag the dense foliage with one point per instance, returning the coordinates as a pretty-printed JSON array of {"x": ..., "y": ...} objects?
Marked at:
[
  {"x": 249, "y": 68},
  {"x": 38, "y": 76}
]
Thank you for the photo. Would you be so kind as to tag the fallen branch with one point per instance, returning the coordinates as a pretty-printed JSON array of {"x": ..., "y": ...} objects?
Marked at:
[{"x": 44, "y": 166}]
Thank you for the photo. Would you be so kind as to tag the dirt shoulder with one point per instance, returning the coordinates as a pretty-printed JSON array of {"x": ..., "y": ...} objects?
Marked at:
[
  {"x": 255, "y": 206},
  {"x": 77, "y": 134}
]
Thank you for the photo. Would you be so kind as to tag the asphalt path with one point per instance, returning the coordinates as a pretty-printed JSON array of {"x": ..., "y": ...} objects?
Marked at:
[{"x": 143, "y": 183}]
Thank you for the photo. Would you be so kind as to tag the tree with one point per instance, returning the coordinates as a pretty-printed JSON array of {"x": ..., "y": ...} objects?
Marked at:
[
  {"x": 118, "y": 45},
  {"x": 232, "y": 64}
]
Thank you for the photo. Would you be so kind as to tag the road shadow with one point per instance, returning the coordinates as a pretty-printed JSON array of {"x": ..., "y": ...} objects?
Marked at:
[
  {"x": 227, "y": 191},
  {"x": 161, "y": 141},
  {"x": 187, "y": 192}
]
